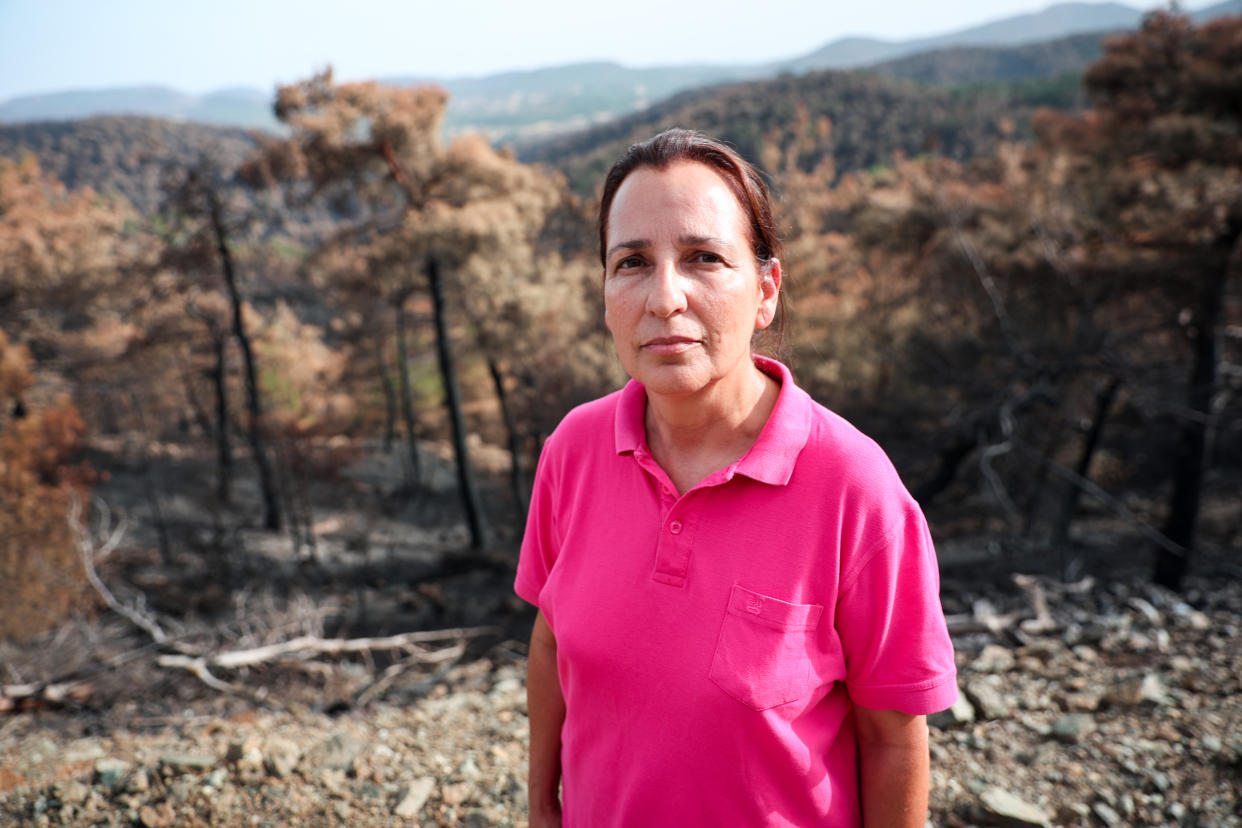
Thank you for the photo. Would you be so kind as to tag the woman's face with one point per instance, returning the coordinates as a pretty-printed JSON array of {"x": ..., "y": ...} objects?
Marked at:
[{"x": 683, "y": 292}]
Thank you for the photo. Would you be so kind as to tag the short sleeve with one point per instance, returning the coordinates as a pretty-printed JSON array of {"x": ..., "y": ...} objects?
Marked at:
[
  {"x": 540, "y": 543},
  {"x": 897, "y": 648}
]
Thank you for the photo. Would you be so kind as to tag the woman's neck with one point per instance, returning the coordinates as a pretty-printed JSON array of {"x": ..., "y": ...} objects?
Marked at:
[{"x": 696, "y": 435}]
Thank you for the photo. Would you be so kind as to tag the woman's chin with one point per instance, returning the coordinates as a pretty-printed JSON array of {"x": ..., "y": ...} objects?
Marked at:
[{"x": 672, "y": 380}]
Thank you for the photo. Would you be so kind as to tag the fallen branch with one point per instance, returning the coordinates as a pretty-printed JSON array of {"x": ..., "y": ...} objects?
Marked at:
[
  {"x": 198, "y": 666},
  {"x": 88, "y": 553},
  {"x": 40, "y": 694},
  {"x": 393, "y": 671},
  {"x": 309, "y": 645},
  {"x": 1043, "y": 621}
]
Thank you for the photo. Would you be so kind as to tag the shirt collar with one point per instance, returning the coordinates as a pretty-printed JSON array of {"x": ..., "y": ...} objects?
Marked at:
[{"x": 770, "y": 460}]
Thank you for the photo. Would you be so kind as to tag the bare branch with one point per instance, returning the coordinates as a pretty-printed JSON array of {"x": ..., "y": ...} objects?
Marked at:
[{"x": 89, "y": 554}]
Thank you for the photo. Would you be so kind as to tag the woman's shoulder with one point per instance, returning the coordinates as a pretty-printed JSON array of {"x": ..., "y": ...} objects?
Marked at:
[{"x": 842, "y": 451}]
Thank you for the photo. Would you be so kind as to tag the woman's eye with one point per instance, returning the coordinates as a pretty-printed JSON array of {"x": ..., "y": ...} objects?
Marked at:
[
  {"x": 629, "y": 262},
  {"x": 707, "y": 257}
]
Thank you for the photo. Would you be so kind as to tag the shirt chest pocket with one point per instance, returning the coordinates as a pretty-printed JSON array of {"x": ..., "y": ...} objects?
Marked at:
[{"x": 765, "y": 654}]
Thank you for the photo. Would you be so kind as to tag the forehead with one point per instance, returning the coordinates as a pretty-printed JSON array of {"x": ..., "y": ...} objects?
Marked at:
[{"x": 685, "y": 196}]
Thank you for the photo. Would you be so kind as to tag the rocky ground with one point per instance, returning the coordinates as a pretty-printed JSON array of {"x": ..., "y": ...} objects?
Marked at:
[{"x": 1120, "y": 705}]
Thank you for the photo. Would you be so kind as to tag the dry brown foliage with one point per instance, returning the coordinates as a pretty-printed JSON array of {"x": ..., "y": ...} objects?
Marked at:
[{"x": 43, "y": 582}]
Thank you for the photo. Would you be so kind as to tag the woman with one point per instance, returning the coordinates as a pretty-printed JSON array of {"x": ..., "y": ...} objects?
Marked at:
[{"x": 738, "y": 613}]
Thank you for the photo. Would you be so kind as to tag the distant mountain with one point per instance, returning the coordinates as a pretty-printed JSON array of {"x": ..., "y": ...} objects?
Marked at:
[
  {"x": 856, "y": 118},
  {"x": 531, "y": 105},
  {"x": 962, "y": 65},
  {"x": 1057, "y": 21},
  {"x": 241, "y": 107},
  {"x": 541, "y": 101}
]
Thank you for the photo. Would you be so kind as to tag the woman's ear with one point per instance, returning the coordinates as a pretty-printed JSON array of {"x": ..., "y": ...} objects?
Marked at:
[{"x": 769, "y": 292}]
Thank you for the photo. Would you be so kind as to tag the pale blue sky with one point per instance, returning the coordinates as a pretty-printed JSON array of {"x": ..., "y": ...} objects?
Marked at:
[{"x": 196, "y": 46}]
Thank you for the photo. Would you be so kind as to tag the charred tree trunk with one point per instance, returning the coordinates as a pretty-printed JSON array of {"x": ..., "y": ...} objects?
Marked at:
[
  {"x": 515, "y": 465},
  {"x": 219, "y": 429},
  {"x": 407, "y": 397},
  {"x": 390, "y": 396},
  {"x": 452, "y": 401},
  {"x": 224, "y": 446},
  {"x": 253, "y": 403},
  {"x": 1191, "y": 455},
  {"x": 1060, "y": 533}
]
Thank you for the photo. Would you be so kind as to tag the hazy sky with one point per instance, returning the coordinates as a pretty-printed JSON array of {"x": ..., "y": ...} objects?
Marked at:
[{"x": 199, "y": 45}]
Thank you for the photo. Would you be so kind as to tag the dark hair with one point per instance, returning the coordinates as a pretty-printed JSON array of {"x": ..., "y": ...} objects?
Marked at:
[{"x": 673, "y": 145}]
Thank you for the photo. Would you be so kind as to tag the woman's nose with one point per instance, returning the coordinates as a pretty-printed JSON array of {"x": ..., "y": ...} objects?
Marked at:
[{"x": 667, "y": 295}]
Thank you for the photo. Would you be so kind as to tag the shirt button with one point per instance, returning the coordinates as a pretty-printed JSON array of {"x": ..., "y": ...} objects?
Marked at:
[{"x": 675, "y": 527}]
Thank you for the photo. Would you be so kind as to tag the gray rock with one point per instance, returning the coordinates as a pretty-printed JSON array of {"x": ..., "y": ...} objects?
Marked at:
[
  {"x": 456, "y": 793},
  {"x": 71, "y": 793},
  {"x": 1135, "y": 692},
  {"x": 281, "y": 757},
  {"x": 960, "y": 713},
  {"x": 986, "y": 699},
  {"x": 1073, "y": 727},
  {"x": 187, "y": 762},
  {"x": 337, "y": 751},
  {"x": 110, "y": 772},
  {"x": 993, "y": 659},
  {"x": 413, "y": 797},
  {"x": 1003, "y": 808},
  {"x": 1106, "y": 814},
  {"x": 139, "y": 781}
]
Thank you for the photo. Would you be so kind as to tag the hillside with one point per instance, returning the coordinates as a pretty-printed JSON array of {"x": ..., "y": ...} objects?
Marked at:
[
  {"x": 871, "y": 118},
  {"x": 123, "y": 156},
  {"x": 980, "y": 64}
]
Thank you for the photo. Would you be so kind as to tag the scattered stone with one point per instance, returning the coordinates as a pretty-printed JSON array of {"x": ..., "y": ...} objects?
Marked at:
[
  {"x": 1073, "y": 727},
  {"x": 993, "y": 659},
  {"x": 1083, "y": 702},
  {"x": 181, "y": 790},
  {"x": 986, "y": 699},
  {"x": 217, "y": 779},
  {"x": 110, "y": 772},
  {"x": 151, "y": 816},
  {"x": 456, "y": 793},
  {"x": 139, "y": 781},
  {"x": 281, "y": 757},
  {"x": 1005, "y": 809},
  {"x": 337, "y": 751},
  {"x": 1136, "y": 692},
  {"x": 414, "y": 797},
  {"x": 72, "y": 793},
  {"x": 83, "y": 750},
  {"x": 1106, "y": 814},
  {"x": 468, "y": 770},
  {"x": 187, "y": 762},
  {"x": 959, "y": 714}
]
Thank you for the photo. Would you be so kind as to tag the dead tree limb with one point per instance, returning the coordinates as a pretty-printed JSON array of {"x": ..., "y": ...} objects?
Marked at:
[
  {"x": 89, "y": 554},
  {"x": 307, "y": 646}
]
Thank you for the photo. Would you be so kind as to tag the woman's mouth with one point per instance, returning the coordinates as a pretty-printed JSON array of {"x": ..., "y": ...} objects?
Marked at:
[{"x": 669, "y": 345}]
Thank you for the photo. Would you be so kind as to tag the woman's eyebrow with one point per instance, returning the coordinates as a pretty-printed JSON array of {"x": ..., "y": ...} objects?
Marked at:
[{"x": 632, "y": 244}]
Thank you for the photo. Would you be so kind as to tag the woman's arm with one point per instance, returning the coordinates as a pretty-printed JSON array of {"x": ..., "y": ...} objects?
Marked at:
[
  {"x": 894, "y": 767},
  {"x": 546, "y": 707}
]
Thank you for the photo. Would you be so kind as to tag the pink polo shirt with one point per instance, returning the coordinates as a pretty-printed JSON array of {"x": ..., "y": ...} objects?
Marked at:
[{"x": 708, "y": 645}]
